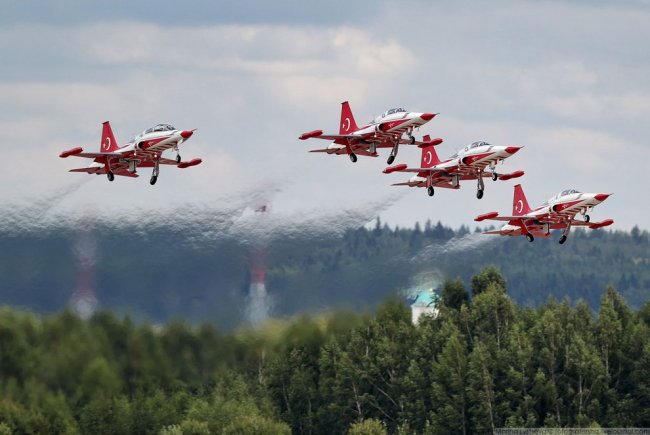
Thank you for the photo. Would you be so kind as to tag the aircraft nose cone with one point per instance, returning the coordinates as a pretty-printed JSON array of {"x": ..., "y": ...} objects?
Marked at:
[
  {"x": 601, "y": 196},
  {"x": 185, "y": 134},
  {"x": 427, "y": 116},
  {"x": 512, "y": 150}
]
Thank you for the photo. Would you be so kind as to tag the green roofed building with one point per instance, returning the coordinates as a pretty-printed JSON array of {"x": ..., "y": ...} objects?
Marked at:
[{"x": 425, "y": 302}]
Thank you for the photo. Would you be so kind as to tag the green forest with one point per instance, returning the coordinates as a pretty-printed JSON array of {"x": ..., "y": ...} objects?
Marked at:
[{"x": 483, "y": 362}]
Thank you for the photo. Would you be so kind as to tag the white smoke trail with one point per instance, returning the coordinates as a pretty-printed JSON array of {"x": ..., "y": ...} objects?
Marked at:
[{"x": 455, "y": 245}]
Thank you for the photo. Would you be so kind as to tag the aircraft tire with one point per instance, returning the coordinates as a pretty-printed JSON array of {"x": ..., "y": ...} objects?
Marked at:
[
  {"x": 586, "y": 218},
  {"x": 110, "y": 176},
  {"x": 153, "y": 180},
  {"x": 430, "y": 190},
  {"x": 391, "y": 159},
  {"x": 530, "y": 237},
  {"x": 479, "y": 193},
  {"x": 412, "y": 140},
  {"x": 562, "y": 239},
  {"x": 353, "y": 157},
  {"x": 495, "y": 177},
  {"x": 178, "y": 158}
]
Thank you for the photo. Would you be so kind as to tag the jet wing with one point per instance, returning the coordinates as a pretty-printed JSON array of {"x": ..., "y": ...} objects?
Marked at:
[
  {"x": 91, "y": 170},
  {"x": 358, "y": 149},
  {"x": 516, "y": 232},
  {"x": 97, "y": 155}
]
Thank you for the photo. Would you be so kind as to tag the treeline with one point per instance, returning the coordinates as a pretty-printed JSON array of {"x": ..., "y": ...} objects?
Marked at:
[
  {"x": 482, "y": 363},
  {"x": 206, "y": 276}
]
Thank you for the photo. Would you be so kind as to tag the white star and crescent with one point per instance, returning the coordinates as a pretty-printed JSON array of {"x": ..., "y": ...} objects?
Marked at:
[
  {"x": 428, "y": 158},
  {"x": 520, "y": 206}
]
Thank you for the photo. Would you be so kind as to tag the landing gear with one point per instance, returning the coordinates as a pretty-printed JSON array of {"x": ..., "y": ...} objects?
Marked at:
[
  {"x": 430, "y": 190},
  {"x": 586, "y": 218},
  {"x": 178, "y": 158},
  {"x": 412, "y": 140},
  {"x": 565, "y": 234},
  {"x": 393, "y": 154},
  {"x": 353, "y": 157},
  {"x": 530, "y": 237},
  {"x": 154, "y": 174},
  {"x": 110, "y": 176},
  {"x": 480, "y": 185},
  {"x": 495, "y": 177}
]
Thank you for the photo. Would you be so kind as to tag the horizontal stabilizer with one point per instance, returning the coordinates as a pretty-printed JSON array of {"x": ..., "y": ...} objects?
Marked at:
[
  {"x": 71, "y": 152},
  {"x": 311, "y": 134},
  {"x": 426, "y": 141},
  {"x": 485, "y": 216},
  {"x": 396, "y": 168},
  {"x": 604, "y": 223},
  {"x": 191, "y": 163},
  {"x": 510, "y": 176}
]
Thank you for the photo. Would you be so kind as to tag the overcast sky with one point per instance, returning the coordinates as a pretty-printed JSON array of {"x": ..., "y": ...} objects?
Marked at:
[{"x": 568, "y": 80}]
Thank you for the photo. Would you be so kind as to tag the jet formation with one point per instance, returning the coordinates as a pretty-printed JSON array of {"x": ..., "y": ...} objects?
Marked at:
[
  {"x": 391, "y": 129},
  {"x": 476, "y": 161}
]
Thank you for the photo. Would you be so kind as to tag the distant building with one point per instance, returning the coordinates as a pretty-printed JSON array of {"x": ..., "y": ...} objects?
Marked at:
[{"x": 425, "y": 302}]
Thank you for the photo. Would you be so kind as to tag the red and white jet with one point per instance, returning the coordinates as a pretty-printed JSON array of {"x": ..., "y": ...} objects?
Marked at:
[
  {"x": 559, "y": 212},
  {"x": 474, "y": 162},
  {"x": 144, "y": 151},
  {"x": 385, "y": 131}
]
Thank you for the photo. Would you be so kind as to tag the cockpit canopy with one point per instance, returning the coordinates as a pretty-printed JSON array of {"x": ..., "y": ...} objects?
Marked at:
[
  {"x": 478, "y": 144},
  {"x": 567, "y": 192},
  {"x": 560, "y": 195},
  {"x": 159, "y": 127},
  {"x": 391, "y": 111}
]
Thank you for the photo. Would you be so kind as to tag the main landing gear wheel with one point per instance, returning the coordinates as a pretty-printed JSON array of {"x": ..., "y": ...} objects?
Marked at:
[
  {"x": 110, "y": 176},
  {"x": 586, "y": 218},
  {"x": 530, "y": 237},
  {"x": 494, "y": 176},
  {"x": 153, "y": 179},
  {"x": 562, "y": 239},
  {"x": 479, "y": 193},
  {"x": 353, "y": 157},
  {"x": 178, "y": 158},
  {"x": 391, "y": 159},
  {"x": 412, "y": 140},
  {"x": 430, "y": 191}
]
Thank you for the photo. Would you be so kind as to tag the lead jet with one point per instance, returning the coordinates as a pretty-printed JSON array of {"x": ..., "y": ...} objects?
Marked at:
[
  {"x": 474, "y": 162},
  {"x": 559, "y": 212},
  {"x": 385, "y": 131},
  {"x": 143, "y": 151}
]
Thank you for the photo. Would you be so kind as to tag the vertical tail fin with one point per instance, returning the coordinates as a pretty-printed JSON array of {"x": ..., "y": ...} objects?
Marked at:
[
  {"x": 108, "y": 144},
  {"x": 429, "y": 155},
  {"x": 347, "y": 119},
  {"x": 519, "y": 203}
]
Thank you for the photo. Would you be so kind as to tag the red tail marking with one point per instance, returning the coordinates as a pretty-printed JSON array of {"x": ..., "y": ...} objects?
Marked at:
[
  {"x": 429, "y": 157},
  {"x": 520, "y": 205},
  {"x": 108, "y": 144},
  {"x": 347, "y": 119}
]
